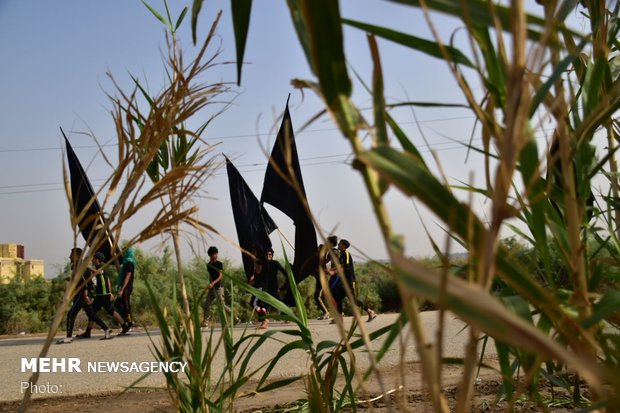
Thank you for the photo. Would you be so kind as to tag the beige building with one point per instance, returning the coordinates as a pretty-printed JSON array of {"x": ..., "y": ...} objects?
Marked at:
[{"x": 13, "y": 263}]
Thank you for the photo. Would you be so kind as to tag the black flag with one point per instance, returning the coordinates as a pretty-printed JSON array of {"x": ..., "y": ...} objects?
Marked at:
[
  {"x": 85, "y": 204},
  {"x": 284, "y": 189},
  {"x": 252, "y": 221}
]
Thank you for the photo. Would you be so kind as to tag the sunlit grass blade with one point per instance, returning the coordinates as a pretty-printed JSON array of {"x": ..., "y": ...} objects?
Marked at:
[
  {"x": 284, "y": 350},
  {"x": 477, "y": 307},
  {"x": 392, "y": 331},
  {"x": 405, "y": 172},
  {"x": 297, "y": 298}
]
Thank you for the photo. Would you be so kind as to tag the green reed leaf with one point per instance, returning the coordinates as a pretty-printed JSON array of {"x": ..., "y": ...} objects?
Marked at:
[
  {"x": 157, "y": 15},
  {"x": 475, "y": 306},
  {"x": 323, "y": 31},
  {"x": 534, "y": 213},
  {"x": 481, "y": 12},
  {"x": 504, "y": 356},
  {"x": 422, "y": 45},
  {"x": 377, "y": 93},
  {"x": 196, "y": 6},
  {"x": 495, "y": 78},
  {"x": 280, "y": 383},
  {"x": 403, "y": 171},
  {"x": 284, "y": 350},
  {"x": 606, "y": 306},
  {"x": 592, "y": 88},
  {"x": 180, "y": 19},
  {"x": 378, "y": 104},
  {"x": 241, "y": 11},
  {"x": 404, "y": 140},
  {"x": 558, "y": 72},
  {"x": 297, "y": 297},
  {"x": 393, "y": 331}
]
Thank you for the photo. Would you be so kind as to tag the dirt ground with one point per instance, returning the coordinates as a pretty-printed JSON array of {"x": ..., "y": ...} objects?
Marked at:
[{"x": 413, "y": 399}]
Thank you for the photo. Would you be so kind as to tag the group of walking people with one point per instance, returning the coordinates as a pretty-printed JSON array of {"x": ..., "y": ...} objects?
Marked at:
[
  {"x": 335, "y": 262},
  {"x": 264, "y": 277},
  {"x": 94, "y": 292}
]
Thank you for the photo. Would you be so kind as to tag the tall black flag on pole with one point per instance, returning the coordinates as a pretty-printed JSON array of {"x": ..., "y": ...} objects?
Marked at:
[
  {"x": 253, "y": 223},
  {"x": 85, "y": 204},
  {"x": 284, "y": 189}
]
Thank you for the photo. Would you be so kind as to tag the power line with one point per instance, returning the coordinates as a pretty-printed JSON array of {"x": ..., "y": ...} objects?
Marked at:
[
  {"x": 458, "y": 144},
  {"x": 226, "y": 137},
  {"x": 244, "y": 171},
  {"x": 30, "y": 191},
  {"x": 55, "y": 148},
  {"x": 61, "y": 186}
]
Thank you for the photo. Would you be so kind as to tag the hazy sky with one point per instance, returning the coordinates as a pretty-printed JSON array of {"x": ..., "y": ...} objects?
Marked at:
[{"x": 55, "y": 58}]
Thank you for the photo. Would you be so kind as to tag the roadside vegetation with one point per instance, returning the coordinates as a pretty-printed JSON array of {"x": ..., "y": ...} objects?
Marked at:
[
  {"x": 29, "y": 305},
  {"x": 518, "y": 69},
  {"x": 547, "y": 298}
]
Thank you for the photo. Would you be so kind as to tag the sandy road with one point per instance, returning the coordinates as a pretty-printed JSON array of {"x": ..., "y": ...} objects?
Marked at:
[{"x": 97, "y": 357}]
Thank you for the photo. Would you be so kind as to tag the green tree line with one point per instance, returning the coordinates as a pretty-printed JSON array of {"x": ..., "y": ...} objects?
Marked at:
[{"x": 29, "y": 305}]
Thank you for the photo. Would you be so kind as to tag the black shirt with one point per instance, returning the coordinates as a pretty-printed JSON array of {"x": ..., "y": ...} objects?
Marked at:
[
  {"x": 215, "y": 268},
  {"x": 269, "y": 275},
  {"x": 128, "y": 267},
  {"x": 347, "y": 266},
  {"x": 83, "y": 284},
  {"x": 102, "y": 284}
]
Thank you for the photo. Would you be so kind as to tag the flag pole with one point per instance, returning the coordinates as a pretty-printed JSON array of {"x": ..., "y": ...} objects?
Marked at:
[{"x": 286, "y": 239}]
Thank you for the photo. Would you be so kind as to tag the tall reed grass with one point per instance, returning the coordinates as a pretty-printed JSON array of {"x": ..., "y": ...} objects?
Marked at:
[
  {"x": 521, "y": 70},
  {"x": 143, "y": 135}
]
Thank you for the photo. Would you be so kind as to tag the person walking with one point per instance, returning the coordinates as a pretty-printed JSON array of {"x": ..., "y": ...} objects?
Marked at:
[
  {"x": 318, "y": 288},
  {"x": 348, "y": 269},
  {"x": 214, "y": 288},
  {"x": 103, "y": 298},
  {"x": 332, "y": 257},
  {"x": 258, "y": 280},
  {"x": 336, "y": 287},
  {"x": 330, "y": 262},
  {"x": 271, "y": 268},
  {"x": 81, "y": 300},
  {"x": 267, "y": 280},
  {"x": 124, "y": 286}
]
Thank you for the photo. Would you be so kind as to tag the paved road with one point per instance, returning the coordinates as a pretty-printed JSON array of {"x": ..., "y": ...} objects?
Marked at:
[{"x": 137, "y": 348}]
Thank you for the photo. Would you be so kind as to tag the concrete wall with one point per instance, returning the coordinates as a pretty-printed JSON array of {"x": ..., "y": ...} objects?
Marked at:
[
  {"x": 8, "y": 269},
  {"x": 12, "y": 264},
  {"x": 11, "y": 251},
  {"x": 34, "y": 268}
]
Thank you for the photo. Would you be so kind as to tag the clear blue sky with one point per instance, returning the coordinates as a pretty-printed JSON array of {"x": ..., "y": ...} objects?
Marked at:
[{"x": 55, "y": 58}]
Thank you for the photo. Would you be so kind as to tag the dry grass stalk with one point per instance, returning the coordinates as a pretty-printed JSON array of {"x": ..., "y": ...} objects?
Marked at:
[{"x": 140, "y": 135}]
